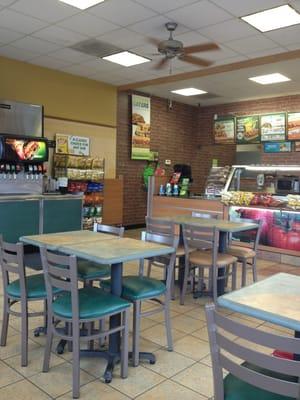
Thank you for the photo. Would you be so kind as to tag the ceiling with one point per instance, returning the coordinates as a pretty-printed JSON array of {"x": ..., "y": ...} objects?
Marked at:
[{"x": 41, "y": 33}]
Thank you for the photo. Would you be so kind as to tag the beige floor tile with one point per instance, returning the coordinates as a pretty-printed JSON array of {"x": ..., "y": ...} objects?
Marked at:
[
  {"x": 145, "y": 344},
  {"x": 35, "y": 362},
  {"x": 201, "y": 333},
  {"x": 186, "y": 324},
  {"x": 192, "y": 347},
  {"x": 197, "y": 313},
  {"x": 207, "y": 361},
  {"x": 182, "y": 309},
  {"x": 8, "y": 375},
  {"x": 13, "y": 347},
  {"x": 22, "y": 390},
  {"x": 160, "y": 317},
  {"x": 172, "y": 390},
  {"x": 157, "y": 334},
  {"x": 58, "y": 380},
  {"x": 169, "y": 363},
  {"x": 96, "y": 390},
  {"x": 94, "y": 366},
  {"x": 198, "y": 378},
  {"x": 139, "y": 380}
]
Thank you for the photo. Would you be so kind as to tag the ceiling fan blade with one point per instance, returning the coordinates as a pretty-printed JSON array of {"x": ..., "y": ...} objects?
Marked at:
[
  {"x": 196, "y": 61},
  {"x": 153, "y": 41},
  {"x": 162, "y": 63},
  {"x": 200, "y": 47}
]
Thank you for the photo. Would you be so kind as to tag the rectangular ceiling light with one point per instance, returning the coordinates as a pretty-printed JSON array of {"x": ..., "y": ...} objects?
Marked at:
[
  {"x": 270, "y": 78},
  {"x": 188, "y": 91},
  {"x": 274, "y": 18},
  {"x": 126, "y": 59},
  {"x": 82, "y": 4}
]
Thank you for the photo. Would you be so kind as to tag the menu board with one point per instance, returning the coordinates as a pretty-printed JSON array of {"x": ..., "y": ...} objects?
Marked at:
[
  {"x": 297, "y": 146},
  {"x": 280, "y": 147},
  {"x": 76, "y": 145},
  {"x": 272, "y": 127},
  {"x": 247, "y": 129},
  {"x": 224, "y": 130},
  {"x": 293, "y": 126},
  {"x": 141, "y": 128},
  {"x": 18, "y": 149}
]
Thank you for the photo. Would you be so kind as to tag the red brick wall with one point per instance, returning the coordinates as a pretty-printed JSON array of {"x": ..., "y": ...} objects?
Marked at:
[{"x": 184, "y": 135}]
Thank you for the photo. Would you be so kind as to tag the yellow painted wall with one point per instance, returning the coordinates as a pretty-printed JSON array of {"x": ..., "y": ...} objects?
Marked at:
[{"x": 63, "y": 95}]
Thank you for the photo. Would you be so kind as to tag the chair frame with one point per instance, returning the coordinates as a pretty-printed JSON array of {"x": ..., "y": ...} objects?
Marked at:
[
  {"x": 61, "y": 272},
  {"x": 12, "y": 262},
  {"x": 203, "y": 238},
  {"x": 220, "y": 343}
]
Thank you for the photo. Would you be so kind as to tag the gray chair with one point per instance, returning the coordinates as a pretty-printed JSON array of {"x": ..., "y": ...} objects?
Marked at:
[
  {"x": 88, "y": 272},
  {"x": 204, "y": 242},
  {"x": 77, "y": 306},
  {"x": 22, "y": 289},
  {"x": 247, "y": 255},
  {"x": 260, "y": 376}
]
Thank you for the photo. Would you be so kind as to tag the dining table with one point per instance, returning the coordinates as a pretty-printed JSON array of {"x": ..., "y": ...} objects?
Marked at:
[
  {"x": 224, "y": 227},
  {"x": 275, "y": 299},
  {"x": 102, "y": 249}
]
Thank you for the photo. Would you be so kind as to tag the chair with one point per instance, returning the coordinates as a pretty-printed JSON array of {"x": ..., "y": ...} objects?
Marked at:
[
  {"x": 88, "y": 272},
  {"x": 22, "y": 290},
  {"x": 205, "y": 243},
  {"x": 138, "y": 288},
  {"x": 261, "y": 376},
  {"x": 247, "y": 255},
  {"x": 76, "y": 306}
]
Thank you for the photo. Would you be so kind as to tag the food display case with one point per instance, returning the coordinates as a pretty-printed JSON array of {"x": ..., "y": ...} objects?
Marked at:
[{"x": 269, "y": 193}]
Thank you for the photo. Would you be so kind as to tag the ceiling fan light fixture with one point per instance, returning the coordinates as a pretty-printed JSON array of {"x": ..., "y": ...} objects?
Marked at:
[
  {"x": 269, "y": 79},
  {"x": 82, "y": 4},
  {"x": 274, "y": 18},
  {"x": 126, "y": 59},
  {"x": 188, "y": 91}
]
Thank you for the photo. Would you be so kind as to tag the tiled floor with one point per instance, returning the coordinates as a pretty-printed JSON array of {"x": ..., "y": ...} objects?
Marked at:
[{"x": 184, "y": 373}]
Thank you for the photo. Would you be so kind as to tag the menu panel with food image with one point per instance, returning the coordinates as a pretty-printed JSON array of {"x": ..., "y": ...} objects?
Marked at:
[
  {"x": 141, "y": 128},
  {"x": 280, "y": 147},
  {"x": 293, "y": 126},
  {"x": 247, "y": 129},
  {"x": 272, "y": 127},
  {"x": 224, "y": 130},
  {"x": 25, "y": 149}
]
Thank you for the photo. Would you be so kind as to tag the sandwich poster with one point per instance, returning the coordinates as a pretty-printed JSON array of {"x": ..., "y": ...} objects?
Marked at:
[
  {"x": 293, "y": 123},
  {"x": 247, "y": 129},
  {"x": 141, "y": 128},
  {"x": 224, "y": 130},
  {"x": 272, "y": 127}
]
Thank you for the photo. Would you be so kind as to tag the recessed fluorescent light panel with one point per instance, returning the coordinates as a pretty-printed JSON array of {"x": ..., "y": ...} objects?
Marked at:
[
  {"x": 274, "y": 18},
  {"x": 82, "y": 4},
  {"x": 270, "y": 78},
  {"x": 188, "y": 91},
  {"x": 126, "y": 59}
]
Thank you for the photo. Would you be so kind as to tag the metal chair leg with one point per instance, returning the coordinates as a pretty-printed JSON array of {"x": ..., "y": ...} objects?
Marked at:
[
  {"x": 136, "y": 333},
  {"x": 233, "y": 276},
  {"x": 5, "y": 322},
  {"x": 101, "y": 329},
  {"x": 76, "y": 361},
  {"x": 168, "y": 323},
  {"x": 24, "y": 335},
  {"x": 47, "y": 353},
  {"x": 254, "y": 269},
  {"x": 244, "y": 272},
  {"x": 149, "y": 268},
  {"x": 124, "y": 345},
  {"x": 184, "y": 286}
]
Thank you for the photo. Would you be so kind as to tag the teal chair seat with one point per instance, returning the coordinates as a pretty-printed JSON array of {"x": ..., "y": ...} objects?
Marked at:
[
  {"x": 88, "y": 270},
  {"x": 139, "y": 287},
  {"x": 93, "y": 303},
  {"x": 236, "y": 389},
  {"x": 35, "y": 287}
]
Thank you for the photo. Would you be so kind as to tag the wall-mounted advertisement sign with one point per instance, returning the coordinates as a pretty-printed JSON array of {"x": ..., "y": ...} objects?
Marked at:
[
  {"x": 272, "y": 127},
  {"x": 224, "y": 130},
  {"x": 141, "y": 127},
  {"x": 293, "y": 126},
  {"x": 280, "y": 147},
  {"x": 75, "y": 145},
  {"x": 247, "y": 129}
]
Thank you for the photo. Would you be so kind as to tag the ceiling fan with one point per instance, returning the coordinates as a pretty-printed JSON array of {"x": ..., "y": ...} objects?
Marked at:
[{"x": 172, "y": 48}]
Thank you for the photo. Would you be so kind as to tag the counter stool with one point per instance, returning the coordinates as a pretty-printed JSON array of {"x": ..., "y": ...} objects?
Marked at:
[
  {"x": 76, "y": 306},
  {"x": 21, "y": 290},
  {"x": 247, "y": 255},
  {"x": 205, "y": 243}
]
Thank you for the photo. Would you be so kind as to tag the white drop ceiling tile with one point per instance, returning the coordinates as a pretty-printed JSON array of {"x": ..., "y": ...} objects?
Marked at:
[
  {"x": 77, "y": 70},
  {"x": 59, "y": 35},
  {"x": 268, "y": 52},
  {"x": 71, "y": 56},
  {"x": 192, "y": 38},
  {"x": 147, "y": 50},
  {"x": 7, "y": 36},
  {"x": 6, "y": 3},
  {"x": 162, "y": 6},
  {"x": 88, "y": 24},
  {"x": 228, "y": 30},
  {"x": 251, "y": 44},
  {"x": 19, "y": 22},
  {"x": 123, "y": 38},
  {"x": 18, "y": 54},
  {"x": 198, "y": 15},
  {"x": 49, "y": 62},
  {"x": 155, "y": 27},
  {"x": 122, "y": 13},
  {"x": 36, "y": 45},
  {"x": 98, "y": 65},
  {"x": 285, "y": 36},
  {"x": 295, "y": 46},
  {"x": 46, "y": 10},
  {"x": 241, "y": 8}
]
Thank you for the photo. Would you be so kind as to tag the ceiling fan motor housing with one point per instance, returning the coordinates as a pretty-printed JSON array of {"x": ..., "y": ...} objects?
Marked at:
[{"x": 171, "y": 48}]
